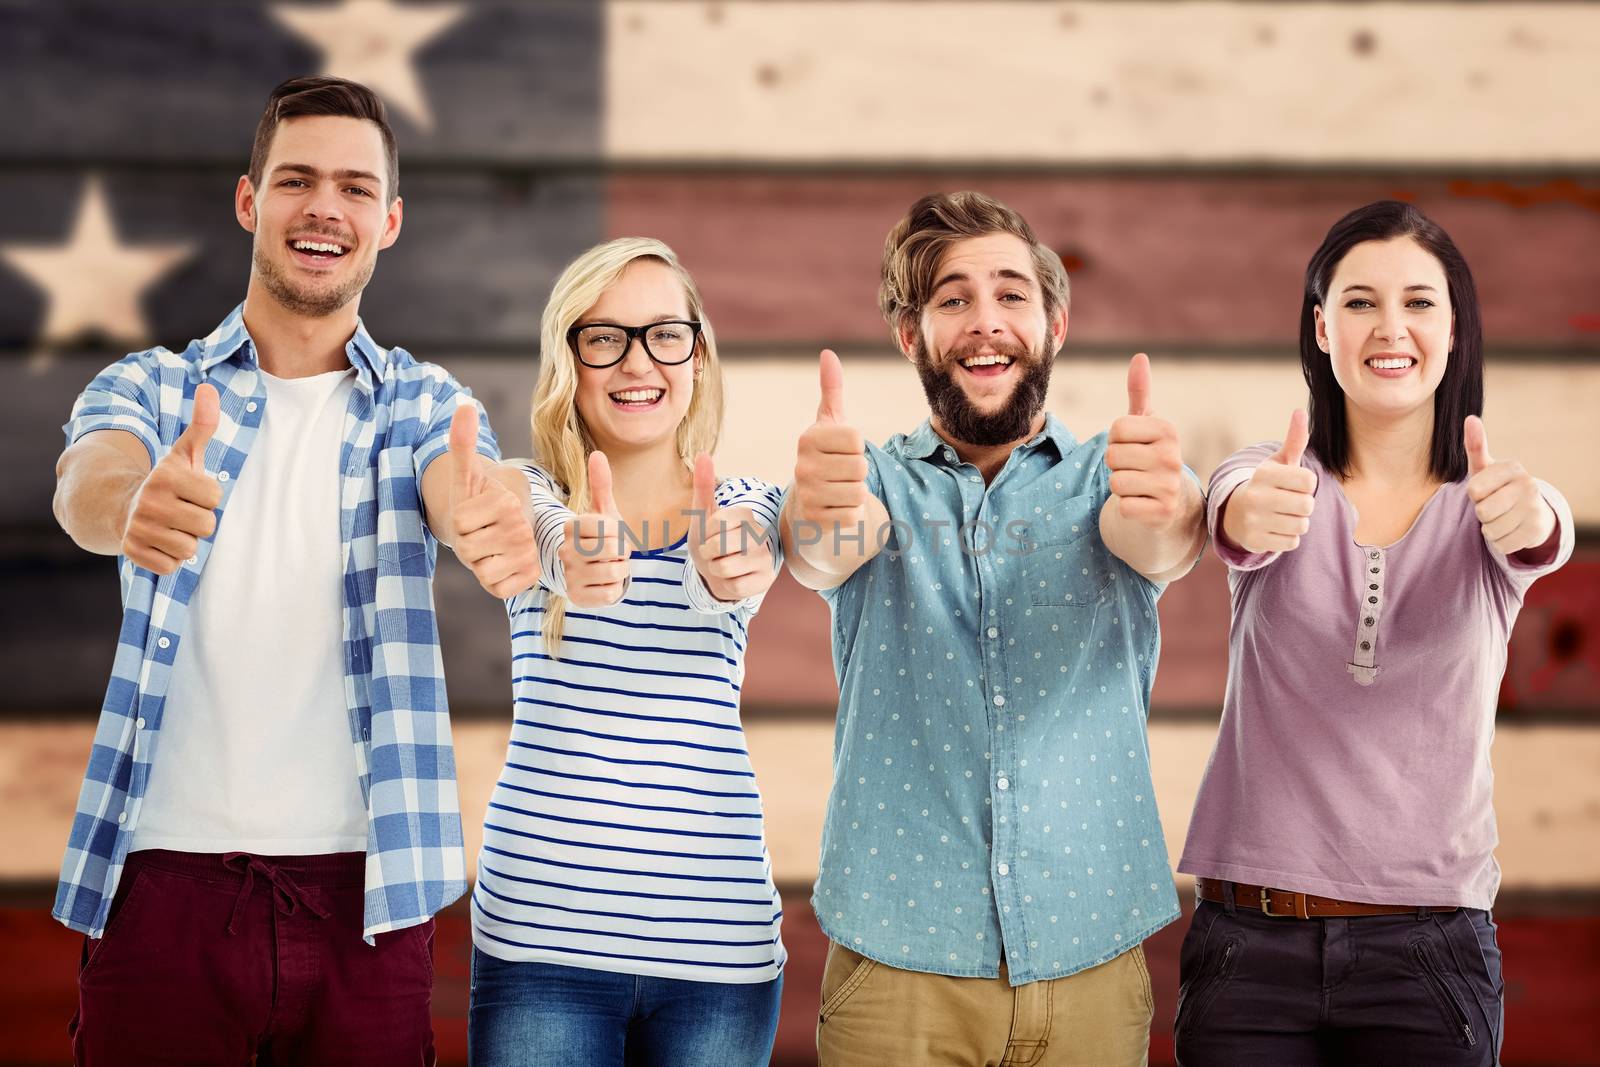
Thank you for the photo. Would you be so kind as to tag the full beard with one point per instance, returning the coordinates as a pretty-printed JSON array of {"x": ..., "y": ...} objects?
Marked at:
[
  {"x": 957, "y": 415},
  {"x": 314, "y": 302}
]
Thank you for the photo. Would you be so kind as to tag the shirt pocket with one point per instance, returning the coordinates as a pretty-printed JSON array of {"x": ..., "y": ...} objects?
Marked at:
[
  {"x": 401, "y": 533},
  {"x": 1068, "y": 565}
]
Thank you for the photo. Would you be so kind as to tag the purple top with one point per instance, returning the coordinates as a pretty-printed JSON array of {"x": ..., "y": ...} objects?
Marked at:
[{"x": 1353, "y": 757}]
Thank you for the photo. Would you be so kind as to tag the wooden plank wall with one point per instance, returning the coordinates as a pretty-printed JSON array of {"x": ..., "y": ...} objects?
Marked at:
[{"x": 1184, "y": 159}]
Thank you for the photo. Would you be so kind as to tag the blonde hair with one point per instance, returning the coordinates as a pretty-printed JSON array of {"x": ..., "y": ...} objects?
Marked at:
[{"x": 561, "y": 442}]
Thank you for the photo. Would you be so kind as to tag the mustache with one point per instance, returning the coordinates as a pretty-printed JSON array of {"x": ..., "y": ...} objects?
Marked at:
[
  {"x": 344, "y": 238},
  {"x": 966, "y": 349}
]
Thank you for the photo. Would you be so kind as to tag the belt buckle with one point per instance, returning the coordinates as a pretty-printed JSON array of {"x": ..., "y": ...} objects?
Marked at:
[{"x": 1299, "y": 905}]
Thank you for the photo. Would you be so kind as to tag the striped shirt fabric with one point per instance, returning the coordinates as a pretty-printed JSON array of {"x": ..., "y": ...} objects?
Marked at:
[
  {"x": 397, "y": 423},
  {"x": 625, "y": 832}
]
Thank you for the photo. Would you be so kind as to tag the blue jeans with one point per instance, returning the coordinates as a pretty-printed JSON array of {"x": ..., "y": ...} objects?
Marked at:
[
  {"x": 1380, "y": 990},
  {"x": 533, "y": 1014}
]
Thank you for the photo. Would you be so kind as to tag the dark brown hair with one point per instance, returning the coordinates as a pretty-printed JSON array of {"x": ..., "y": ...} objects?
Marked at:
[
  {"x": 323, "y": 95},
  {"x": 914, "y": 247},
  {"x": 1460, "y": 391}
]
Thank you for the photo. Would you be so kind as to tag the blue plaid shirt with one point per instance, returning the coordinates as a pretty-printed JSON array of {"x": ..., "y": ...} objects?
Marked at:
[{"x": 397, "y": 423}]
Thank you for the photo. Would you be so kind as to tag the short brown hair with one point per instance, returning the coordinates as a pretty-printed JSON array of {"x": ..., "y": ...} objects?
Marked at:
[
  {"x": 323, "y": 95},
  {"x": 912, "y": 252}
]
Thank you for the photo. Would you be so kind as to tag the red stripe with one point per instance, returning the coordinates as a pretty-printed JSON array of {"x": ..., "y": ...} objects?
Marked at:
[
  {"x": 1174, "y": 260},
  {"x": 1552, "y": 971}
]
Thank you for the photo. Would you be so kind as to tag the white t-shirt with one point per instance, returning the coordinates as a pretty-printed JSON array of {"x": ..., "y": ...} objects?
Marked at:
[{"x": 255, "y": 752}]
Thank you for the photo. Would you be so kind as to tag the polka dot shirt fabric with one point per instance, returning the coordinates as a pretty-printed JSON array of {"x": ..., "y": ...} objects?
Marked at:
[{"x": 991, "y": 789}]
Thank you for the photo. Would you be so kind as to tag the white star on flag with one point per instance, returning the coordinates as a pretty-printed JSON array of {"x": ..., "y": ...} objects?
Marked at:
[
  {"x": 93, "y": 281},
  {"x": 374, "y": 42}
]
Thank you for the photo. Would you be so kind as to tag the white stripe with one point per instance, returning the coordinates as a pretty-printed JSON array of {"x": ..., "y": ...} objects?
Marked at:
[
  {"x": 1218, "y": 405},
  {"x": 1140, "y": 82}
]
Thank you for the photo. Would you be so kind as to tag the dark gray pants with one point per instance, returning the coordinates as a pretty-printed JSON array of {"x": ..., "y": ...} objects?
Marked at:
[{"x": 1258, "y": 991}]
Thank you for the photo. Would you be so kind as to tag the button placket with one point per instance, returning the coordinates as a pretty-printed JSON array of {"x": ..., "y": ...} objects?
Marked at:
[{"x": 1369, "y": 617}]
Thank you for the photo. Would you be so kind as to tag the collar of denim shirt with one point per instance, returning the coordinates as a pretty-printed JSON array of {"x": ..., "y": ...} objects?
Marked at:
[{"x": 925, "y": 443}]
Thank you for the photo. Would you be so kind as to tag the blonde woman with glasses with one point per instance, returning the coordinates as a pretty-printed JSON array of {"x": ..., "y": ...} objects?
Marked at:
[{"x": 624, "y": 910}]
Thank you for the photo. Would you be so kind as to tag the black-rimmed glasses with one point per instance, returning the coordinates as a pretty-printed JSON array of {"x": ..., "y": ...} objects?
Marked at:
[{"x": 604, "y": 344}]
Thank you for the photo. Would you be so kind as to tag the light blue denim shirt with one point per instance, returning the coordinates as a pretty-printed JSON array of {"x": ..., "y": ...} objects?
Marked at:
[{"x": 991, "y": 780}]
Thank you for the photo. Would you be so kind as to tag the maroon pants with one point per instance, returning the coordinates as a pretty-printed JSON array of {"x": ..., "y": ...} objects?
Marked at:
[{"x": 233, "y": 959}]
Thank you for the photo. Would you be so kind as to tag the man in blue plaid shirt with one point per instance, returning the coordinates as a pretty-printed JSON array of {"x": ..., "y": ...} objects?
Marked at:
[{"x": 269, "y": 818}]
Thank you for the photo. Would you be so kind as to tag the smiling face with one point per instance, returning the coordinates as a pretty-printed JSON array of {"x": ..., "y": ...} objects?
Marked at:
[
  {"x": 1387, "y": 327},
  {"x": 983, "y": 346},
  {"x": 637, "y": 403},
  {"x": 321, "y": 214}
]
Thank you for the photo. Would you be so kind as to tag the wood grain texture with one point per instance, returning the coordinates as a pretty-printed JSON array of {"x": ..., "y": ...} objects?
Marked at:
[
  {"x": 59, "y": 659},
  {"x": 1074, "y": 83},
  {"x": 185, "y": 81},
  {"x": 473, "y": 265},
  {"x": 1547, "y": 793},
  {"x": 1552, "y": 968},
  {"x": 1161, "y": 259}
]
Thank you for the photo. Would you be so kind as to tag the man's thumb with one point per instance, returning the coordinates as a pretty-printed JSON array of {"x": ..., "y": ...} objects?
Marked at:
[
  {"x": 1476, "y": 439},
  {"x": 1294, "y": 442},
  {"x": 464, "y": 445},
  {"x": 600, "y": 500},
  {"x": 1139, "y": 385},
  {"x": 191, "y": 444},
  {"x": 831, "y": 376}
]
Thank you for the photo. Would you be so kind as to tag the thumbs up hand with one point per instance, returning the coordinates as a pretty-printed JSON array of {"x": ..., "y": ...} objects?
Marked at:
[
  {"x": 491, "y": 530},
  {"x": 594, "y": 558},
  {"x": 1144, "y": 458},
  {"x": 1272, "y": 511},
  {"x": 830, "y": 470},
  {"x": 173, "y": 507},
  {"x": 726, "y": 544},
  {"x": 1510, "y": 508}
]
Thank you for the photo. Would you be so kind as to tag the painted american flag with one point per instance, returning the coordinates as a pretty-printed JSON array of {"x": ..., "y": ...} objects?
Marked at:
[{"x": 1184, "y": 159}]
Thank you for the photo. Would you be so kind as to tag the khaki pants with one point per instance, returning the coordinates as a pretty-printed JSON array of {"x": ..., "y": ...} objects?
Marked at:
[{"x": 875, "y": 1015}]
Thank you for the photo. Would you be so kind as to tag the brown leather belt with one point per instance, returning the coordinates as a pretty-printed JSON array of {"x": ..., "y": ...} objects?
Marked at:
[{"x": 1287, "y": 904}]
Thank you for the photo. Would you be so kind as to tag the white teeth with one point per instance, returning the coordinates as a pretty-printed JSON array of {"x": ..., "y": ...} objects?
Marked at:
[
  {"x": 637, "y": 396},
  {"x": 318, "y": 246},
  {"x": 986, "y": 361},
  {"x": 1391, "y": 364}
]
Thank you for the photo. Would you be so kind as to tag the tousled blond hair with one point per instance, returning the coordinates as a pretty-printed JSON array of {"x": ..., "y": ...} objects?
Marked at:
[
  {"x": 912, "y": 251},
  {"x": 561, "y": 442}
]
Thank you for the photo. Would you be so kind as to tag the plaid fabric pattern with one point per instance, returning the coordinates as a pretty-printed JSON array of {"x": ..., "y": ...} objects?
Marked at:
[{"x": 398, "y": 422}]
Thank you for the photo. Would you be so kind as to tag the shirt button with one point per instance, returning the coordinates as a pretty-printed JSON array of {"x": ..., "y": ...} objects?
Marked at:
[
  {"x": 250, "y": 406},
  {"x": 993, "y": 632},
  {"x": 163, "y": 642},
  {"x": 122, "y": 816},
  {"x": 1004, "y": 783},
  {"x": 139, "y": 723},
  {"x": 1366, "y": 645},
  {"x": 192, "y": 560},
  {"x": 999, "y": 701},
  {"x": 1003, "y": 870},
  {"x": 222, "y": 476}
]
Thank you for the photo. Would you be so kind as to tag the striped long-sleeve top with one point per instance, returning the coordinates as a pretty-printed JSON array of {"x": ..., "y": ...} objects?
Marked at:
[{"x": 625, "y": 832}]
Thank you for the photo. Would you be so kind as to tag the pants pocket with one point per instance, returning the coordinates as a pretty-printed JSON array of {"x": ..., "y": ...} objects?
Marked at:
[
  {"x": 1436, "y": 980},
  {"x": 842, "y": 975},
  {"x": 119, "y": 925},
  {"x": 1196, "y": 997}
]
